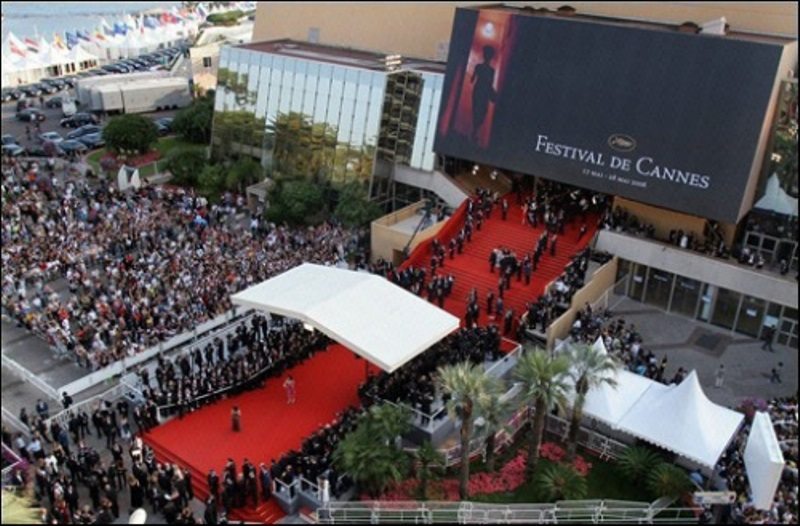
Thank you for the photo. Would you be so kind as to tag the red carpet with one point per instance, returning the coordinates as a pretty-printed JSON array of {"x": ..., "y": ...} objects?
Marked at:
[
  {"x": 471, "y": 268},
  {"x": 326, "y": 384}
]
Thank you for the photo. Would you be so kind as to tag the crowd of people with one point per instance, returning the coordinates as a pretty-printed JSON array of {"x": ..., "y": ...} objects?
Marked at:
[
  {"x": 414, "y": 385},
  {"x": 78, "y": 481},
  {"x": 140, "y": 266},
  {"x": 731, "y": 469},
  {"x": 242, "y": 361}
]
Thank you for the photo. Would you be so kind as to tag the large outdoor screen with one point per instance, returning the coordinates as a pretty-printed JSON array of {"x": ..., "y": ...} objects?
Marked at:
[{"x": 662, "y": 117}]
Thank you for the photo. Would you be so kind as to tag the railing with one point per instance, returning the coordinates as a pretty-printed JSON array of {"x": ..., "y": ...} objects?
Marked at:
[
  {"x": 120, "y": 367},
  {"x": 14, "y": 461},
  {"x": 500, "y": 367},
  {"x": 62, "y": 417},
  {"x": 28, "y": 376},
  {"x": 592, "y": 511},
  {"x": 16, "y": 423}
]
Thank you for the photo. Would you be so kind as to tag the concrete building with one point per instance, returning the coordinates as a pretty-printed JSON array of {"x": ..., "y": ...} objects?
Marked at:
[
  {"x": 422, "y": 29},
  {"x": 204, "y": 55}
]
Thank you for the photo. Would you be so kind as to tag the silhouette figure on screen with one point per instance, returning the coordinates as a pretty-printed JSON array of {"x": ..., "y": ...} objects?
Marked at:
[{"x": 482, "y": 90}]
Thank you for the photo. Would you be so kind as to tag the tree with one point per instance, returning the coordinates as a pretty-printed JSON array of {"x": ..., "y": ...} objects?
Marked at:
[
  {"x": 211, "y": 181},
  {"x": 193, "y": 123},
  {"x": 493, "y": 409},
  {"x": 666, "y": 480},
  {"x": 130, "y": 134},
  {"x": 185, "y": 164},
  {"x": 637, "y": 462},
  {"x": 354, "y": 208},
  {"x": 466, "y": 384},
  {"x": 544, "y": 384},
  {"x": 561, "y": 482},
  {"x": 369, "y": 454},
  {"x": 20, "y": 508},
  {"x": 590, "y": 368},
  {"x": 243, "y": 173},
  {"x": 297, "y": 203},
  {"x": 429, "y": 465}
]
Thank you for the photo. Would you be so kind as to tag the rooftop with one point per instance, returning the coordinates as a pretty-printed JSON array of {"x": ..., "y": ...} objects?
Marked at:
[
  {"x": 342, "y": 56},
  {"x": 574, "y": 15}
]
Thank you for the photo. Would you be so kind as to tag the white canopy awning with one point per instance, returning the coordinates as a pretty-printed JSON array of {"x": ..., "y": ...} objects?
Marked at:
[
  {"x": 376, "y": 319},
  {"x": 776, "y": 199},
  {"x": 681, "y": 419},
  {"x": 763, "y": 461}
]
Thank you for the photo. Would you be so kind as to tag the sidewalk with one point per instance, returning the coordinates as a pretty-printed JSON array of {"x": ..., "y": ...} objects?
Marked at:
[{"x": 694, "y": 345}]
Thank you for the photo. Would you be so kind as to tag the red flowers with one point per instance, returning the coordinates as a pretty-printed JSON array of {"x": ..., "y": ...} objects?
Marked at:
[{"x": 552, "y": 451}]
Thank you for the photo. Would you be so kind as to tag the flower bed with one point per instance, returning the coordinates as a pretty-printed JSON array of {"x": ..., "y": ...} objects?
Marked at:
[
  {"x": 509, "y": 478},
  {"x": 135, "y": 161}
]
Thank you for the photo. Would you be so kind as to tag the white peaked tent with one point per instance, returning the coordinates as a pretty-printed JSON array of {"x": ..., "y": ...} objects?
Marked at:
[
  {"x": 609, "y": 404},
  {"x": 763, "y": 461},
  {"x": 681, "y": 419},
  {"x": 776, "y": 199},
  {"x": 373, "y": 317}
]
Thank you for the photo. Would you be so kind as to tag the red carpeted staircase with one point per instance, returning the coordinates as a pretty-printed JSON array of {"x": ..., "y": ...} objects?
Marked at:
[{"x": 471, "y": 268}]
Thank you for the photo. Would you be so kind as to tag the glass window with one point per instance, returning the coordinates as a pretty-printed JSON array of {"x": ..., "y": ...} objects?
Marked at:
[
  {"x": 659, "y": 288},
  {"x": 706, "y": 302},
  {"x": 637, "y": 282},
  {"x": 685, "y": 297},
  {"x": 725, "y": 308},
  {"x": 623, "y": 271},
  {"x": 284, "y": 104},
  {"x": 751, "y": 316},
  {"x": 206, "y": 62}
]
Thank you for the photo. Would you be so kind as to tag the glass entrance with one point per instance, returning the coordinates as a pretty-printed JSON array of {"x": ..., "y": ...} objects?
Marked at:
[
  {"x": 686, "y": 296},
  {"x": 659, "y": 288},
  {"x": 725, "y": 308},
  {"x": 751, "y": 315}
]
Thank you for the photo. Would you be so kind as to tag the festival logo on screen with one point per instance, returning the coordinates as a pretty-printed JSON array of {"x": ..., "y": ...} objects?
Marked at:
[
  {"x": 622, "y": 143},
  {"x": 471, "y": 102}
]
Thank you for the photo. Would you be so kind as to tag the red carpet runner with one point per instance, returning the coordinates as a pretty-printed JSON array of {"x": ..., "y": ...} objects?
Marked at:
[
  {"x": 328, "y": 382},
  {"x": 471, "y": 268}
]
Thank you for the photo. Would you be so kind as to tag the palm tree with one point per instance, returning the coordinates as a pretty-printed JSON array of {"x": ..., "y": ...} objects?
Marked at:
[
  {"x": 561, "y": 482},
  {"x": 369, "y": 455},
  {"x": 638, "y": 461},
  {"x": 590, "y": 368},
  {"x": 493, "y": 409},
  {"x": 544, "y": 382},
  {"x": 667, "y": 480},
  {"x": 429, "y": 463},
  {"x": 20, "y": 508},
  {"x": 465, "y": 383}
]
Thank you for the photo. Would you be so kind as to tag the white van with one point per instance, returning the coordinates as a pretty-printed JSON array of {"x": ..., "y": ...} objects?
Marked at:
[{"x": 68, "y": 106}]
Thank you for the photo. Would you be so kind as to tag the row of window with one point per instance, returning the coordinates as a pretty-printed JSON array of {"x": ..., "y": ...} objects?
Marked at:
[{"x": 691, "y": 298}]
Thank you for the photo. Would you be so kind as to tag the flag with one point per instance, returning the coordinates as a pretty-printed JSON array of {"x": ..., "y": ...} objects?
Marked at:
[
  {"x": 150, "y": 22},
  {"x": 98, "y": 34},
  {"x": 58, "y": 42},
  {"x": 32, "y": 45},
  {"x": 120, "y": 28},
  {"x": 15, "y": 46},
  {"x": 84, "y": 35},
  {"x": 72, "y": 39}
]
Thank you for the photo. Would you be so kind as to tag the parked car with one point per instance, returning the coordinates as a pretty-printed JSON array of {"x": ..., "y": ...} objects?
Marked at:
[
  {"x": 13, "y": 150},
  {"x": 84, "y": 130},
  {"x": 70, "y": 80},
  {"x": 41, "y": 150},
  {"x": 93, "y": 140},
  {"x": 7, "y": 94},
  {"x": 30, "y": 115},
  {"x": 24, "y": 103},
  {"x": 51, "y": 136},
  {"x": 73, "y": 146},
  {"x": 18, "y": 94},
  {"x": 54, "y": 102},
  {"x": 78, "y": 120},
  {"x": 8, "y": 139},
  {"x": 163, "y": 125},
  {"x": 31, "y": 91},
  {"x": 47, "y": 88}
]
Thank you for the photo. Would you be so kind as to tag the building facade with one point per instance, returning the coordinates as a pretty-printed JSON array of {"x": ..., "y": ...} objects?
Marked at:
[{"x": 329, "y": 112}]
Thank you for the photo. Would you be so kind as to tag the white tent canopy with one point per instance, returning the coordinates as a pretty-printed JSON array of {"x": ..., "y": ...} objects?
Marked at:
[
  {"x": 374, "y": 318},
  {"x": 678, "y": 418},
  {"x": 763, "y": 461},
  {"x": 681, "y": 419},
  {"x": 776, "y": 199}
]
